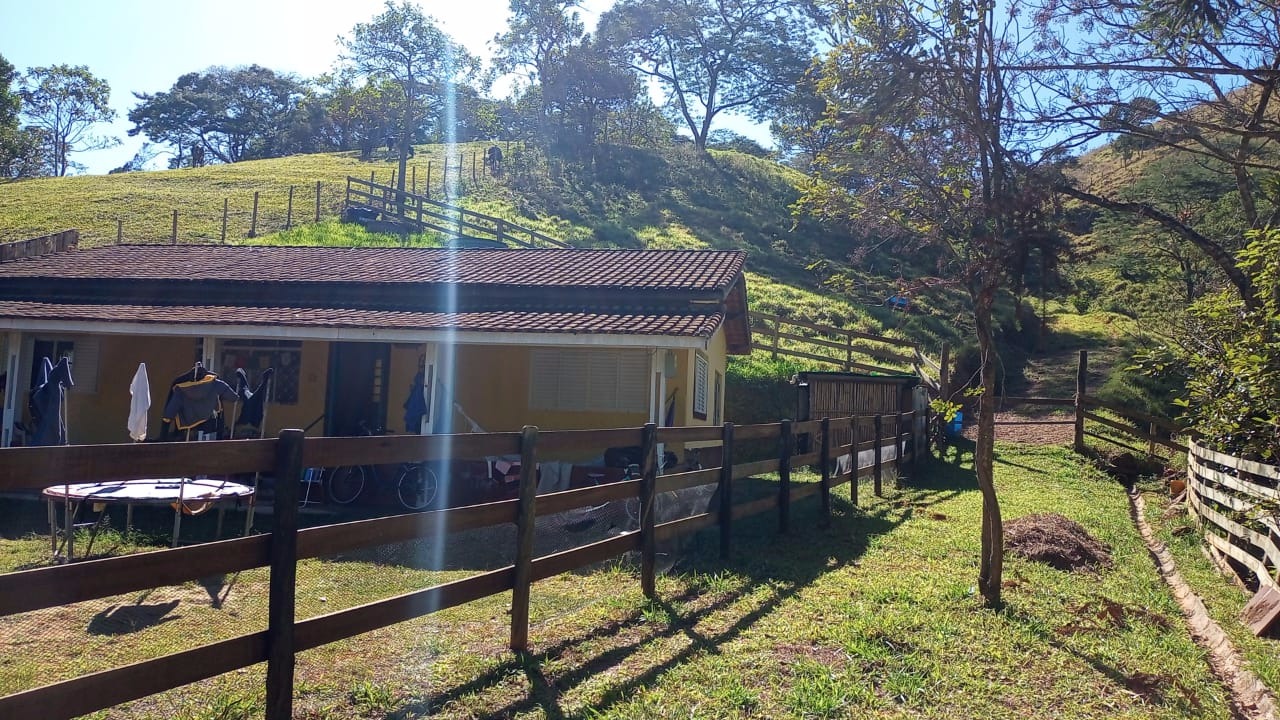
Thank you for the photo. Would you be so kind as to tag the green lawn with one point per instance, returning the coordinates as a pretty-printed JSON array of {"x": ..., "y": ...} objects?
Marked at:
[{"x": 872, "y": 616}]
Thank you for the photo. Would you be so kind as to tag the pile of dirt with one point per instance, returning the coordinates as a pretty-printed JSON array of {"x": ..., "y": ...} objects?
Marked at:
[{"x": 1056, "y": 541}]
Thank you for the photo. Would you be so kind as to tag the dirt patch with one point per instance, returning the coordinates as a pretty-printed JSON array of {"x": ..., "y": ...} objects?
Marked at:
[
  {"x": 1038, "y": 434},
  {"x": 1056, "y": 541}
]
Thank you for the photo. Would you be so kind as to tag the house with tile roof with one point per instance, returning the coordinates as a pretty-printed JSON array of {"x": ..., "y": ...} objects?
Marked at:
[{"x": 486, "y": 339}]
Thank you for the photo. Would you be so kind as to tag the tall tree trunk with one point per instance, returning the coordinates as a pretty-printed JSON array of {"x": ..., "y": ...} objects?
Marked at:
[{"x": 991, "y": 562}]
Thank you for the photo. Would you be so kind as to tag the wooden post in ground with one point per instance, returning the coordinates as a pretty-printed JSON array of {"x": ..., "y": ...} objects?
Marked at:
[
  {"x": 253, "y": 223},
  {"x": 444, "y": 180},
  {"x": 1151, "y": 440},
  {"x": 853, "y": 482},
  {"x": 825, "y": 452},
  {"x": 526, "y": 515},
  {"x": 427, "y": 186},
  {"x": 288, "y": 213},
  {"x": 223, "y": 237},
  {"x": 1082, "y": 372},
  {"x": 877, "y": 455},
  {"x": 473, "y": 168},
  {"x": 283, "y": 581},
  {"x": 317, "y": 201},
  {"x": 944, "y": 390},
  {"x": 777, "y": 328},
  {"x": 119, "y": 231},
  {"x": 726, "y": 489},
  {"x": 899, "y": 445},
  {"x": 173, "y": 233},
  {"x": 413, "y": 175},
  {"x": 786, "y": 441},
  {"x": 648, "y": 487}
]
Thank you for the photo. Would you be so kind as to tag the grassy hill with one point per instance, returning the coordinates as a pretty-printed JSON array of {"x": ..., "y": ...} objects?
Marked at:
[{"x": 621, "y": 197}]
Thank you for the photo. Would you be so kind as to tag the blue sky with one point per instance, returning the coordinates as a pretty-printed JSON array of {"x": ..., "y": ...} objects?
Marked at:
[{"x": 144, "y": 45}]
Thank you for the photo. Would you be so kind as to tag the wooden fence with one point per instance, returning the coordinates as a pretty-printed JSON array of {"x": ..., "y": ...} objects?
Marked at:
[
  {"x": 1238, "y": 505},
  {"x": 422, "y": 214},
  {"x": 281, "y": 550},
  {"x": 843, "y": 349}
]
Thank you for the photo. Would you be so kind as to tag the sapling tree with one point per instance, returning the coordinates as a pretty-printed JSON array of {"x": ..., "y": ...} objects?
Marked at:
[{"x": 918, "y": 151}]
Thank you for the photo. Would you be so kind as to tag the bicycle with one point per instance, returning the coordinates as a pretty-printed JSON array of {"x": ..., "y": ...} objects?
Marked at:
[{"x": 416, "y": 484}]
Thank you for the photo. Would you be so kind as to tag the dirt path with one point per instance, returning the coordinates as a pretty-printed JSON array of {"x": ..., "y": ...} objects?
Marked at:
[{"x": 1250, "y": 698}]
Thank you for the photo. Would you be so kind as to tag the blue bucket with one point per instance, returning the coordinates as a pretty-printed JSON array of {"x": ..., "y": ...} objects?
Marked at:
[{"x": 956, "y": 426}]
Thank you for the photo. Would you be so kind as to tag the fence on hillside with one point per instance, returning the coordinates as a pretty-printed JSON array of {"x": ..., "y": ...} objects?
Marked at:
[
  {"x": 284, "y": 635},
  {"x": 420, "y": 213},
  {"x": 1237, "y": 503}
]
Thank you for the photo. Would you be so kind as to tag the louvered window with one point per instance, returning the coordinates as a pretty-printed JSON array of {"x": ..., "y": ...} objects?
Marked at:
[
  {"x": 589, "y": 379},
  {"x": 700, "y": 371}
]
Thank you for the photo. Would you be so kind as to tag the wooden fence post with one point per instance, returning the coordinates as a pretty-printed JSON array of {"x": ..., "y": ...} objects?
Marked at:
[
  {"x": 915, "y": 449},
  {"x": 1151, "y": 441},
  {"x": 473, "y": 168},
  {"x": 785, "y": 442},
  {"x": 777, "y": 329},
  {"x": 899, "y": 445},
  {"x": 825, "y": 452},
  {"x": 877, "y": 453},
  {"x": 173, "y": 233},
  {"x": 944, "y": 389},
  {"x": 119, "y": 231},
  {"x": 317, "y": 201},
  {"x": 444, "y": 179},
  {"x": 726, "y": 489},
  {"x": 223, "y": 237},
  {"x": 253, "y": 223},
  {"x": 526, "y": 515},
  {"x": 1082, "y": 371},
  {"x": 413, "y": 174},
  {"x": 288, "y": 213},
  {"x": 853, "y": 482},
  {"x": 648, "y": 486},
  {"x": 427, "y": 186},
  {"x": 284, "y": 571}
]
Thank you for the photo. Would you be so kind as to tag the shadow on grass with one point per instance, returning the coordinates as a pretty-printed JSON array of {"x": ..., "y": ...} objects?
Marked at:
[{"x": 773, "y": 569}]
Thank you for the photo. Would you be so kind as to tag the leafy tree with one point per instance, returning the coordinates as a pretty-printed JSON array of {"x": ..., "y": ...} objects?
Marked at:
[
  {"x": 64, "y": 102},
  {"x": 406, "y": 47},
  {"x": 584, "y": 89},
  {"x": 925, "y": 157},
  {"x": 540, "y": 34},
  {"x": 712, "y": 56},
  {"x": 222, "y": 115},
  {"x": 1227, "y": 358},
  {"x": 357, "y": 115},
  {"x": 1192, "y": 78},
  {"x": 19, "y": 149}
]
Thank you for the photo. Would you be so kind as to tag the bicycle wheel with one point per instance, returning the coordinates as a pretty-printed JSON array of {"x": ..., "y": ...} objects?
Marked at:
[
  {"x": 344, "y": 484},
  {"x": 417, "y": 486}
]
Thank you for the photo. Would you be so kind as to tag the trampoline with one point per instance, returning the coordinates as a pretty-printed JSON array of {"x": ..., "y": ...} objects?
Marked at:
[{"x": 189, "y": 496}]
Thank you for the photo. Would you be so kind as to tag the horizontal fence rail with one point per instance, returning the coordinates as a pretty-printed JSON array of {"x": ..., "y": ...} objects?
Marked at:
[
  {"x": 285, "y": 458},
  {"x": 1238, "y": 505},
  {"x": 424, "y": 214}
]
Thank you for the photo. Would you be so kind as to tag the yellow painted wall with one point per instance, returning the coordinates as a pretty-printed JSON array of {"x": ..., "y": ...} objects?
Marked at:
[
  {"x": 492, "y": 385},
  {"x": 101, "y": 417},
  {"x": 313, "y": 380}
]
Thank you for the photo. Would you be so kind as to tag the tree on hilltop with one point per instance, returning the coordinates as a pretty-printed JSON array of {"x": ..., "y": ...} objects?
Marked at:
[
  {"x": 222, "y": 115},
  {"x": 712, "y": 56},
  {"x": 64, "y": 103},
  {"x": 406, "y": 47},
  {"x": 19, "y": 149}
]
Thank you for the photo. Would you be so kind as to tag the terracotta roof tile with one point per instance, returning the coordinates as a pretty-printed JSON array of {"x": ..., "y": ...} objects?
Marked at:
[
  {"x": 631, "y": 269},
  {"x": 504, "y": 321}
]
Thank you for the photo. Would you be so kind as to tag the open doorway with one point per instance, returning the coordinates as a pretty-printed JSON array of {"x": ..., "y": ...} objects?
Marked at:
[{"x": 357, "y": 393}]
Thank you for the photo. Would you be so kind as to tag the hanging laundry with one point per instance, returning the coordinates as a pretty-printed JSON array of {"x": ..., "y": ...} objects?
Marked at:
[
  {"x": 252, "y": 402},
  {"x": 415, "y": 406},
  {"x": 193, "y": 403},
  {"x": 140, "y": 390},
  {"x": 46, "y": 404}
]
